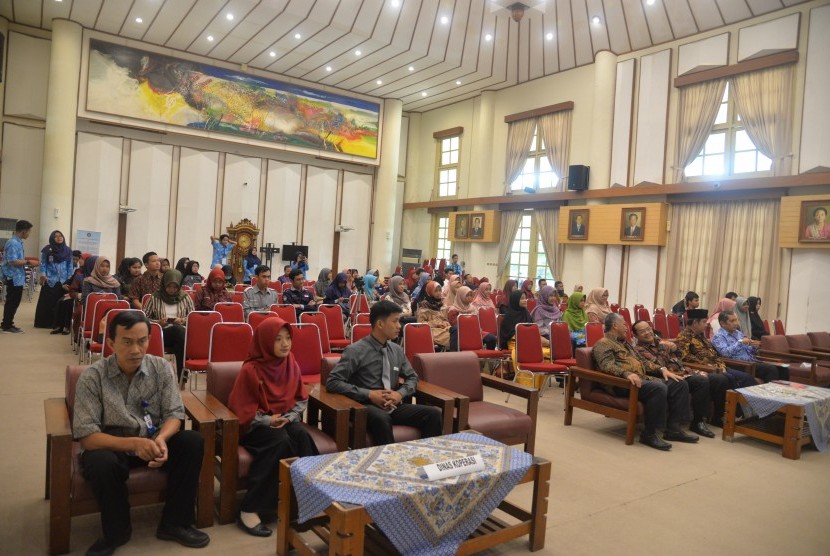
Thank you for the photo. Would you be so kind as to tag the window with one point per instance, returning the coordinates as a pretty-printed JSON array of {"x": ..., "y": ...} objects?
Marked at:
[
  {"x": 443, "y": 245},
  {"x": 537, "y": 172},
  {"x": 527, "y": 256},
  {"x": 448, "y": 166},
  {"x": 728, "y": 151}
]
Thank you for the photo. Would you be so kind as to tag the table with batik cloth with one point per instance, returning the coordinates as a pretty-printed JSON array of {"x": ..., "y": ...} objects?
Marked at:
[
  {"x": 384, "y": 486},
  {"x": 776, "y": 412}
]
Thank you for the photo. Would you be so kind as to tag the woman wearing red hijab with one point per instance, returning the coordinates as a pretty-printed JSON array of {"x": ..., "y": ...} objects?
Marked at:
[
  {"x": 269, "y": 399},
  {"x": 213, "y": 292}
]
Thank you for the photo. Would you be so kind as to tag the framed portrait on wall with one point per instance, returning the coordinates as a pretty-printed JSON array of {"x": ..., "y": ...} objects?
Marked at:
[
  {"x": 578, "y": 224},
  {"x": 632, "y": 224},
  {"x": 462, "y": 226},
  {"x": 814, "y": 226},
  {"x": 477, "y": 225}
]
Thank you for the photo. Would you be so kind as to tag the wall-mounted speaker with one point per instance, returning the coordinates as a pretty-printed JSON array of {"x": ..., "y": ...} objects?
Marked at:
[{"x": 578, "y": 177}]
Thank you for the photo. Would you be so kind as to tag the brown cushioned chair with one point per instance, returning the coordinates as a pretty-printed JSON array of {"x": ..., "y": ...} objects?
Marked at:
[
  {"x": 232, "y": 460},
  {"x": 426, "y": 394},
  {"x": 802, "y": 345},
  {"x": 70, "y": 495},
  {"x": 459, "y": 372},
  {"x": 806, "y": 369},
  {"x": 820, "y": 341},
  {"x": 593, "y": 397}
]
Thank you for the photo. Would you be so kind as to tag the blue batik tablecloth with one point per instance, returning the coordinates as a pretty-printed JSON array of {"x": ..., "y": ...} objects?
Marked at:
[
  {"x": 765, "y": 399},
  {"x": 419, "y": 517}
]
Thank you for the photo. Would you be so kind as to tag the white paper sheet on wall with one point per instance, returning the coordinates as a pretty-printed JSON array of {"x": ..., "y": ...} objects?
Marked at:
[{"x": 88, "y": 241}]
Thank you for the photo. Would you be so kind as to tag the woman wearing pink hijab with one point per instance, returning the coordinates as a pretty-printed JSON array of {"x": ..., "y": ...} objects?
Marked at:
[
  {"x": 724, "y": 304},
  {"x": 451, "y": 289},
  {"x": 463, "y": 306},
  {"x": 482, "y": 296}
]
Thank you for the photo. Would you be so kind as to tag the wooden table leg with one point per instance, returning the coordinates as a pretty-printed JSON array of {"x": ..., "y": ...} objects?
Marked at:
[
  {"x": 793, "y": 429},
  {"x": 285, "y": 503},
  {"x": 729, "y": 415},
  {"x": 347, "y": 525},
  {"x": 539, "y": 511}
]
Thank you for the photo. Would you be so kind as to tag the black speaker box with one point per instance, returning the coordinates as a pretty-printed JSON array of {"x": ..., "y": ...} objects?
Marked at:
[{"x": 578, "y": 177}]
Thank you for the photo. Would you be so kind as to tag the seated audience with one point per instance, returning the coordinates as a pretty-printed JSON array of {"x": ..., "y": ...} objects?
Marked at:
[
  {"x": 99, "y": 279},
  {"x": 191, "y": 274},
  {"x": 73, "y": 303},
  {"x": 659, "y": 390},
  {"x": 302, "y": 299},
  {"x": 269, "y": 399},
  {"x": 259, "y": 297},
  {"x": 249, "y": 265},
  {"x": 690, "y": 301},
  {"x": 597, "y": 306},
  {"x": 369, "y": 281},
  {"x": 222, "y": 248},
  {"x": 516, "y": 314},
  {"x": 693, "y": 347},
  {"x": 169, "y": 307},
  {"x": 230, "y": 279},
  {"x": 577, "y": 319},
  {"x": 507, "y": 291},
  {"x": 118, "y": 431},
  {"x": 369, "y": 372},
  {"x": 704, "y": 388},
  {"x": 450, "y": 289},
  {"x": 285, "y": 278},
  {"x": 164, "y": 266},
  {"x": 322, "y": 284},
  {"x": 213, "y": 292},
  {"x": 128, "y": 271},
  {"x": 397, "y": 295},
  {"x": 338, "y": 293},
  {"x": 423, "y": 278},
  {"x": 483, "y": 296},
  {"x": 733, "y": 344},
  {"x": 454, "y": 265},
  {"x": 724, "y": 304},
  {"x": 55, "y": 269},
  {"x": 541, "y": 283},
  {"x": 300, "y": 263},
  {"x": 431, "y": 311},
  {"x": 147, "y": 283},
  {"x": 527, "y": 289},
  {"x": 742, "y": 312},
  {"x": 547, "y": 310},
  {"x": 731, "y": 295},
  {"x": 560, "y": 291},
  {"x": 755, "y": 320},
  {"x": 181, "y": 265},
  {"x": 463, "y": 306},
  {"x": 578, "y": 288}
]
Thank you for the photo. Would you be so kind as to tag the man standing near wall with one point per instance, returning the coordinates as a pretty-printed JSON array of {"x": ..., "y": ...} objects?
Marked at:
[{"x": 14, "y": 274}]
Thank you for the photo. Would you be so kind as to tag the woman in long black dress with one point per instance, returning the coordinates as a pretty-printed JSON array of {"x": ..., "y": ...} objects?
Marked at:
[{"x": 55, "y": 268}]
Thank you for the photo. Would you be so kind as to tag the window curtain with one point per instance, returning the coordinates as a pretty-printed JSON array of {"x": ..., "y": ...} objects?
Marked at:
[
  {"x": 764, "y": 100},
  {"x": 519, "y": 136},
  {"x": 719, "y": 247},
  {"x": 555, "y": 130},
  {"x": 698, "y": 106},
  {"x": 510, "y": 221},
  {"x": 547, "y": 222}
]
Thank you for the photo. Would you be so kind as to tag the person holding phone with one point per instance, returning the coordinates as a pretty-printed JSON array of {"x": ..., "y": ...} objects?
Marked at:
[{"x": 169, "y": 307}]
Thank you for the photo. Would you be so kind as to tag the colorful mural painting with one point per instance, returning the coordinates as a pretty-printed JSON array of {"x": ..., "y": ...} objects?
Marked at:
[{"x": 125, "y": 81}]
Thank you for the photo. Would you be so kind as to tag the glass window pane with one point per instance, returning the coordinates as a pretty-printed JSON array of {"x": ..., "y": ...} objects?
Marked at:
[
  {"x": 452, "y": 175},
  {"x": 743, "y": 142},
  {"x": 721, "y": 117},
  {"x": 529, "y": 167},
  {"x": 695, "y": 168},
  {"x": 445, "y": 158},
  {"x": 454, "y": 143},
  {"x": 453, "y": 157},
  {"x": 525, "y": 221},
  {"x": 764, "y": 163},
  {"x": 547, "y": 179},
  {"x": 744, "y": 162},
  {"x": 713, "y": 165},
  {"x": 442, "y": 190},
  {"x": 716, "y": 143},
  {"x": 524, "y": 233},
  {"x": 523, "y": 259},
  {"x": 544, "y": 164},
  {"x": 533, "y": 142}
]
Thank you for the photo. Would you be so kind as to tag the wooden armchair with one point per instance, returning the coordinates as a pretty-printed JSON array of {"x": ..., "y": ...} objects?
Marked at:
[
  {"x": 70, "y": 495},
  {"x": 820, "y": 341},
  {"x": 232, "y": 461},
  {"x": 806, "y": 367}
]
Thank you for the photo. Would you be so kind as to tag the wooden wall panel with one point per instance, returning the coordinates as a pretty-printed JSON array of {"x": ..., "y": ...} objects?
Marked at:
[
  {"x": 604, "y": 224},
  {"x": 492, "y": 225},
  {"x": 789, "y": 222}
]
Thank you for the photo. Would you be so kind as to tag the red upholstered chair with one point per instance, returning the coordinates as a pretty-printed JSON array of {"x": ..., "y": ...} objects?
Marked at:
[
  {"x": 820, "y": 340},
  {"x": 233, "y": 462},
  {"x": 434, "y": 261},
  {"x": 469, "y": 339},
  {"x": 156, "y": 346},
  {"x": 626, "y": 315},
  {"x": 360, "y": 331},
  {"x": 593, "y": 397},
  {"x": 531, "y": 304},
  {"x": 615, "y": 308},
  {"x": 638, "y": 306},
  {"x": 766, "y": 327},
  {"x": 778, "y": 326},
  {"x": 594, "y": 333},
  {"x": 192, "y": 294},
  {"x": 231, "y": 311},
  {"x": 286, "y": 312},
  {"x": 229, "y": 341},
  {"x": 806, "y": 369},
  {"x": 197, "y": 341},
  {"x": 255, "y": 318},
  {"x": 442, "y": 264},
  {"x": 673, "y": 322},
  {"x": 358, "y": 304},
  {"x": 305, "y": 345},
  {"x": 334, "y": 323},
  {"x": 144, "y": 298},
  {"x": 660, "y": 311},
  {"x": 488, "y": 320},
  {"x": 459, "y": 373},
  {"x": 417, "y": 338},
  {"x": 563, "y": 306},
  {"x": 197, "y": 287},
  {"x": 661, "y": 326},
  {"x": 85, "y": 330},
  {"x": 642, "y": 314},
  {"x": 92, "y": 345},
  {"x": 362, "y": 318},
  {"x": 275, "y": 285},
  {"x": 530, "y": 358},
  {"x": 319, "y": 320},
  {"x": 238, "y": 297},
  {"x": 241, "y": 287},
  {"x": 70, "y": 495},
  {"x": 561, "y": 347},
  {"x": 284, "y": 286}
]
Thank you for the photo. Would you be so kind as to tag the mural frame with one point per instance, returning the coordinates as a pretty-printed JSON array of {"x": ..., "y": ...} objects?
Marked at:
[{"x": 572, "y": 215}]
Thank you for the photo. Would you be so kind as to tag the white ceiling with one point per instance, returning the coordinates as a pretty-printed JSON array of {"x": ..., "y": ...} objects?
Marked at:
[{"x": 451, "y": 61}]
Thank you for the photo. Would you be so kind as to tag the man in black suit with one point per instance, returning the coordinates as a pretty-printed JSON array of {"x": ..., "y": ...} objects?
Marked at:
[
  {"x": 577, "y": 226},
  {"x": 633, "y": 230}
]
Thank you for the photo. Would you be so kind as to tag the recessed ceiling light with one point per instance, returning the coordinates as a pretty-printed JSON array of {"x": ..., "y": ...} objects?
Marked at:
[
  {"x": 424, "y": 94},
  {"x": 357, "y": 53},
  {"x": 210, "y": 38},
  {"x": 395, "y": 3},
  {"x": 411, "y": 68},
  {"x": 488, "y": 37},
  {"x": 595, "y": 20},
  {"x": 328, "y": 68},
  {"x": 458, "y": 82},
  {"x": 272, "y": 54},
  {"x": 445, "y": 19},
  {"x": 379, "y": 82},
  {"x": 139, "y": 20},
  {"x": 650, "y": 2},
  {"x": 549, "y": 36},
  {"x": 297, "y": 36},
  {"x": 229, "y": 16}
]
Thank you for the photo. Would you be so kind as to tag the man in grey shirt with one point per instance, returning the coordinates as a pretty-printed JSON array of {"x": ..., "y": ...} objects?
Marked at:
[
  {"x": 369, "y": 372},
  {"x": 127, "y": 414},
  {"x": 259, "y": 297}
]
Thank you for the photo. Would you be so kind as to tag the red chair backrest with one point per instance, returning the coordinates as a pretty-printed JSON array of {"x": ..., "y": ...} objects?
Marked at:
[
  {"x": 638, "y": 306},
  {"x": 192, "y": 294},
  {"x": 708, "y": 332},
  {"x": 241, "y": 287},
  {"x": 197, "y": 335},
  {"x": 231, "y": 311},
  {"x": 766, "y": 326},
  {"x": 469, "y": 333},
  {"x": 642, "y": 314},
  {"x": 285, "y": 312},
  {"x": 334, "y": 321},
  {"x": 593, "y": 333},
  {"x": 531, "y": 304},
  {"x": 144, "y": 298},
  {"x": 778, "y": 325},
  {"x": 433, "y": 261},
  {"x": 362, "y": 318},
  {"x": 673, "y": 322},
  {"x": 238, "y": 297},
  {"x": 563, "y": 306},
  {"x": 442, "y": 264},
  {"x": 305, "y": 345},
  {"x": 360, "y": 331},
  {"x": 102, "y": 308},
  {"x": 285, "y": 286},
  {"x": 275, "y": 285},
  {"x": 358, "y": 307},
  {"x": 417, "y": 338},
  {"x": 561, "y": 346},
  {"x": 528, "y": 344},
  {"x": 107, "y": 350},
  {"x": 197, "y": 286},
  {"x": 661, "y": 325},
  {"x": 626, "y": 314},
  {"x": 659, "y": 311},
  {"x": 156, "y": 346},
  {"x": 488, "y": 321},
  {"x": 615, "y": 308},
  {"x": 89, "y": 309},
  {"x": 229, "y": 341},
  {"x": 256, "y": 317},
  {"x": 318, "y": 319}
]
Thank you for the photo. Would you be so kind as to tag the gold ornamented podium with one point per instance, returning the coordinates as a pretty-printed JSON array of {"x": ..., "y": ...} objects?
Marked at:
[{"x": 245, "y": 234}]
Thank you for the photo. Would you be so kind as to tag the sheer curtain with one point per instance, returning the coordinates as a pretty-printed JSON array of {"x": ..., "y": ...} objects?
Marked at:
[
  {"x": 547, "y": 221},
  {"x": 714, "y": 248},
  {"x": 519, "y": 136},
  {"x": 555, "y": 130},
  {"x": 510, "y": 221},
  {"x": 764, "y": 100},
  {"x": 698, "y": 107}
]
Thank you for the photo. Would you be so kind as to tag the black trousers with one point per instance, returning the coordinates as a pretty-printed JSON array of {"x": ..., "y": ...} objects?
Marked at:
[
  {"x": 768, "y": 373},
  {"x": 666, "y": 404},
  {"x": 739, "y": 379},
  {"x": 13, "y": 296},
  {"x": 174, "y": 339},
  {"x": 268, "y": 446},
  {"x": 47, "y": 301},
  {"x": 423, "y": 417},
  {"x": 108, "y": 471},
  {"x": 706, "y": 390},
  {"x": 63, "y": 313}
]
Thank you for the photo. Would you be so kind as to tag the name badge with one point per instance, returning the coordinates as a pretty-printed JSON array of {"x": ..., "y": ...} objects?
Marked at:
[{"x": 453, "y": 468}]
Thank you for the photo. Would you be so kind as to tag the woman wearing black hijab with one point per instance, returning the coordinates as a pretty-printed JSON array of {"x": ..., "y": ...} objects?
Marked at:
[{"x": 56, "y": 267}]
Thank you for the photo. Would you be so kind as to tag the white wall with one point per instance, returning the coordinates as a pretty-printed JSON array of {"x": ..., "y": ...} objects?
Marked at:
[
  {"x": 149, "y": 193},
  {"x": 356, "y": 204},
  {"x": 196, "y": 206},
  {"x": 282, "y": 197},
  {"x": 97, "y": 189},
  {"x": 27, "y": 76},
  {"x": 320, "y": 218},
  {"x": 240, "y": 198},
  {"x": 20, "y": 179},
  {"x": 808, "y": 308}
]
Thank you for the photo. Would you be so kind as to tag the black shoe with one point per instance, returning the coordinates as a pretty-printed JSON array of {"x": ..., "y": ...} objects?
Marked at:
[
  {"x": 655, "y": 441},
  {"x": 701, "y": 429},
  {"x": 56, "y": 331},
  {"x": 185, "y": 536},
  {"x": 258, "y": 530},
  {"x": 680, "y": 436},
  {"x": 103, "y": 548}
]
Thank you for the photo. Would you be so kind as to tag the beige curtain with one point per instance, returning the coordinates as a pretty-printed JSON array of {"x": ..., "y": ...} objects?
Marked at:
[
  {"x": 519, "y": 136},
  {"x": 697, "y": 108},
  {"x": 717, "y": 247},
  {"x": 555, "y": 130},
  {"x": 510, "y": 221},
  {"x": 764, "y": 99},
  {"x": 547, "y": 222}
]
